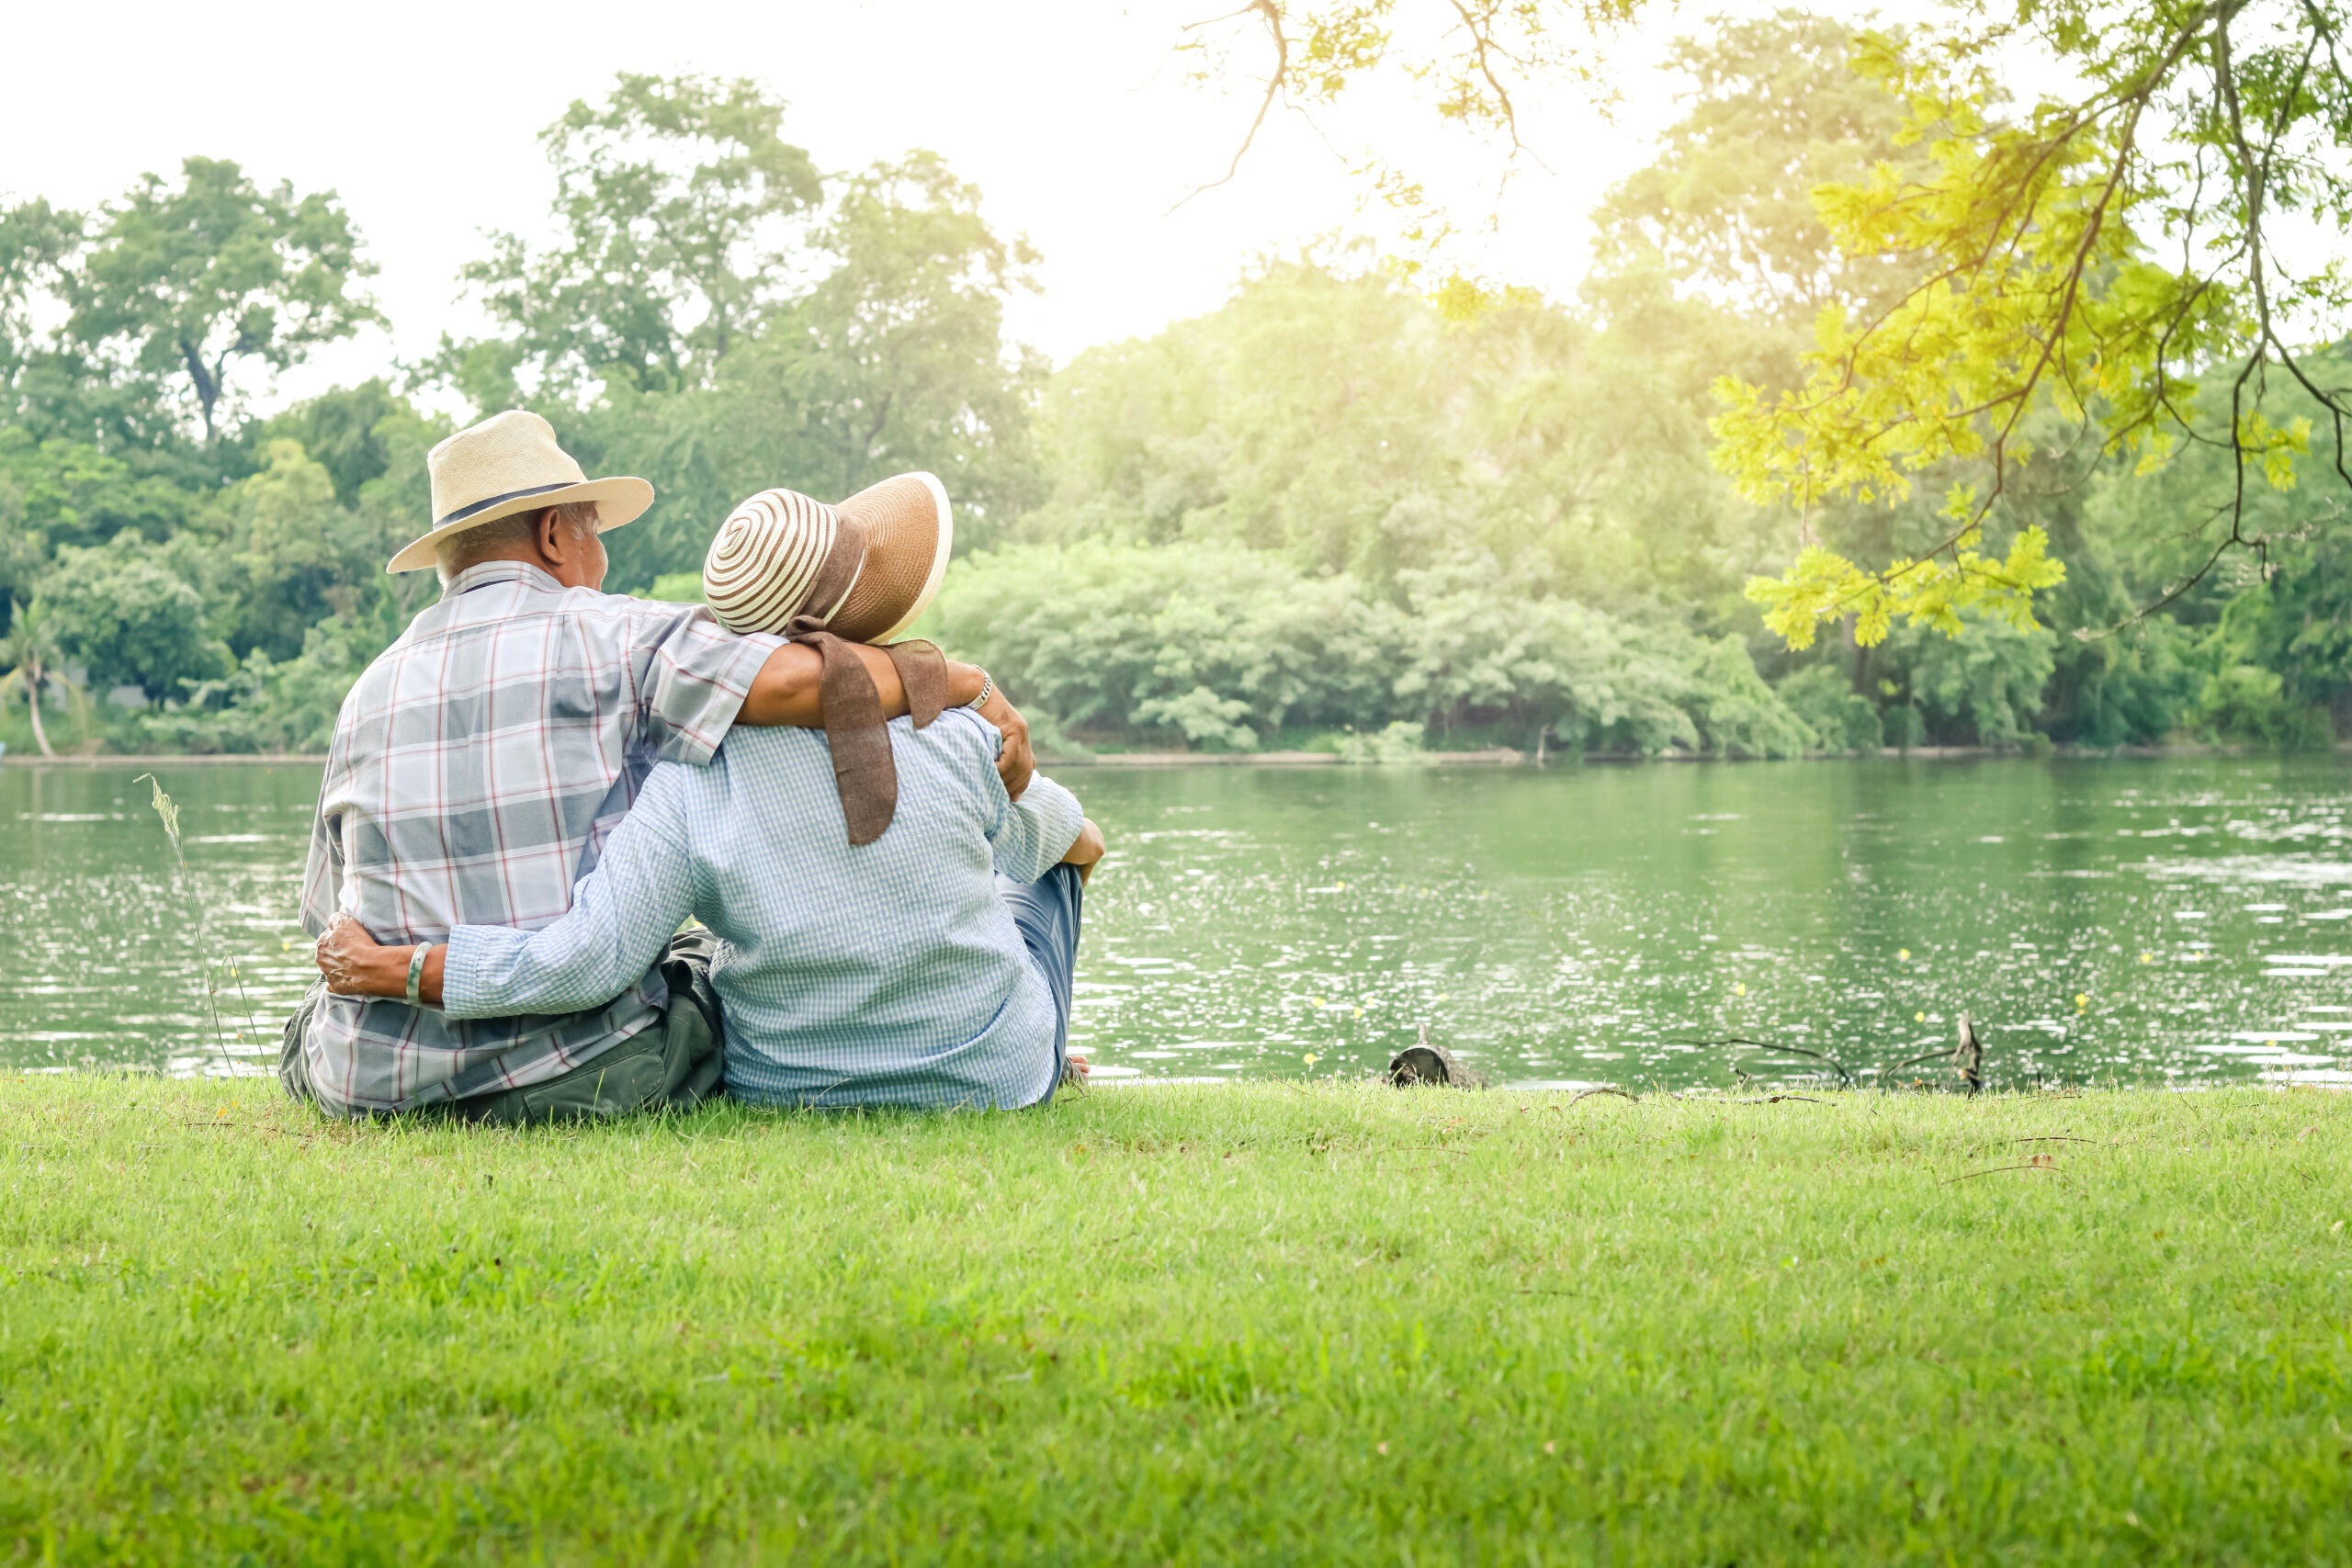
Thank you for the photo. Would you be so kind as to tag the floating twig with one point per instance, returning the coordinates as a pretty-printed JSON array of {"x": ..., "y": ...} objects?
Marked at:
[{"x": 1839, "y": 1068}]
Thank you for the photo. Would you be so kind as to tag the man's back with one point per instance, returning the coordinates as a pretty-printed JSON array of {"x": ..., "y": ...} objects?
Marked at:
[
  {"x": 477, "y": 768},
  {"x": 889, "y": 972}
]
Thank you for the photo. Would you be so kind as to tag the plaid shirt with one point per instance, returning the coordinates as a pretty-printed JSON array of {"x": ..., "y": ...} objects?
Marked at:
[
  {"x": 477, "y": 768},
  {"x": 881, "y": 974}
]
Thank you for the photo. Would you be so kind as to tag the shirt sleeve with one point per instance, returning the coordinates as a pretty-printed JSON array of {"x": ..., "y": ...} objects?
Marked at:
[
  {"x": 622, "y": 914},
  {"x": 695, "y": 676},
  {"x": 1028, "y": 836},
  {"x": 322, "y": 869},
  {"x": 321, "y": 877}
]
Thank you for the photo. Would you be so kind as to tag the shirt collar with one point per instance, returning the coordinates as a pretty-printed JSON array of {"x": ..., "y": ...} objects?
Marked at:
[{"x": 484, "y": 573}]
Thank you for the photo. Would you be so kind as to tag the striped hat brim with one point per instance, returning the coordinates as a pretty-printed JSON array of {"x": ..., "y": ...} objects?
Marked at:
[
  {"x": 777, "y": 556},
  {"x": 866, "y": 569}
]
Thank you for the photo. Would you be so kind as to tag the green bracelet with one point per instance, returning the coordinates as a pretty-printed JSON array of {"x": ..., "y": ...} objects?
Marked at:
[{"x": 416, "y": 972}]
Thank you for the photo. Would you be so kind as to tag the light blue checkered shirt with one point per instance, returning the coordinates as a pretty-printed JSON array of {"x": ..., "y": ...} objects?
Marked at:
[{"x": 883, "y": 973}]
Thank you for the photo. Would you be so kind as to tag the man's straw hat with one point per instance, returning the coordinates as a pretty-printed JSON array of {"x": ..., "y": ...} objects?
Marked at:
[
  {"x": 510, "y": 463},
  {"x": 865, "y": 569}
]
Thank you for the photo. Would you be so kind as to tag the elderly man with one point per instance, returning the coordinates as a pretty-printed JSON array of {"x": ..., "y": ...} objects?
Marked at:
[
  {"x": 926, "y": 962},
  {"x": 483, "y": 761}
]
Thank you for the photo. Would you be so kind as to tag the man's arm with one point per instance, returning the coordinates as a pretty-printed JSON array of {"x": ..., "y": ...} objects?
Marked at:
[
  {"x": 785, "y": 692},
  {"x": 701, "y": 679},
  {"x": 622, "y": 914}
]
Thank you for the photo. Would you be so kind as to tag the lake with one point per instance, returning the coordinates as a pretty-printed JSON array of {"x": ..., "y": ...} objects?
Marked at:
[{"x": 2177, "y": 921}]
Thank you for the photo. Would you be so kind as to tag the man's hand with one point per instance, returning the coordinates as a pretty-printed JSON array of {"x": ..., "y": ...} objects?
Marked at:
[
  {"x": 1086, "y": 851},
  {"x": 355, "y": 965},
  {"x": 1016, "y": 761}
]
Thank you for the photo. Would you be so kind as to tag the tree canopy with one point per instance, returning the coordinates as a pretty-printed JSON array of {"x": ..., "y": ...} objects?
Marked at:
[
  {"x": 670, "y": 197},
  {"x": 2073, "y": 265}
]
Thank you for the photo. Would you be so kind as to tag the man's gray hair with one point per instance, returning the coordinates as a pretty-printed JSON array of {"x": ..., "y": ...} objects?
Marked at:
[{"x": 497, "y": 540}]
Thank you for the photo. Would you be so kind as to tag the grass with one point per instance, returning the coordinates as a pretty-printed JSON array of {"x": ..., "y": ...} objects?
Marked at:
[{"x": 1259, "y": 1324}]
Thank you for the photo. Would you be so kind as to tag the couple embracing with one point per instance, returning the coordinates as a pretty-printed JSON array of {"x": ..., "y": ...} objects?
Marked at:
[{"x": 533, "y": 795}]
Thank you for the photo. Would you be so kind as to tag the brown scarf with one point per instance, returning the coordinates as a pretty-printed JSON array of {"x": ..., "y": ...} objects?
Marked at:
[{"x": 863, "y": 771}]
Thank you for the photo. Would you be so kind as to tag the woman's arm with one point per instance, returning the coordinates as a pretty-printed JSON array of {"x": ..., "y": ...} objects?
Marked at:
[
  {"x": 1032, "y": 834},
  {"x": 622, "y": 914}
]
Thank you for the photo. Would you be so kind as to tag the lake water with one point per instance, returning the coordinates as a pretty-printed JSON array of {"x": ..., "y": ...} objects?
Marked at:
[{"x": 2177, "y": 921}]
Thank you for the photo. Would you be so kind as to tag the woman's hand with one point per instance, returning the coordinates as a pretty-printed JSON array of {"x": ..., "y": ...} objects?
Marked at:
[{"x": 355, "y": 965}]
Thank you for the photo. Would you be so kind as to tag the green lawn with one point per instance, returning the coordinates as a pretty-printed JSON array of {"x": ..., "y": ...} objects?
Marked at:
[{"x": 1264, "y": 1324}]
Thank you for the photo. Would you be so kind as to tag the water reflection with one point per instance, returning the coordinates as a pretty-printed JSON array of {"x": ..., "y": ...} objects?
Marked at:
[
  {"x": 99, "y": 961},
  {"x": 2145, "y": 921}
]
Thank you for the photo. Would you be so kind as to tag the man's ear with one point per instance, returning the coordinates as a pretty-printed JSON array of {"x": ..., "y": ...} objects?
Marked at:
[{"x": 549, "y": 533}]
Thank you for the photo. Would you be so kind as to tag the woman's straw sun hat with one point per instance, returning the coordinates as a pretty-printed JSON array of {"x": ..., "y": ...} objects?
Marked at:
[
  {"x": 863, "y": 569},
  {"x": 510, "y": 463}
]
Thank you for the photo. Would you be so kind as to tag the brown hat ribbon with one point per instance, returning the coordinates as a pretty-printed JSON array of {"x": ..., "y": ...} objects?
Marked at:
[{"x": 854, "y": 728}]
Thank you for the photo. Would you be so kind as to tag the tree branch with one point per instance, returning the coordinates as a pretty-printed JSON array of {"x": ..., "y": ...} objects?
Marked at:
[{"x": 1275, "y": 81}]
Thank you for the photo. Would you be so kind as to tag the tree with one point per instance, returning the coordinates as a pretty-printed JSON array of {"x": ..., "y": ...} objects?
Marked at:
[
  {"x": 187, "y": 281},
  {"x": 31, "y": 651},
  {"x": 130, "y": 612},
  {"x": 299, "y": 556},
  {"x": 1726, "y": 208},
  {"x": 1318, "y": 413},
  {"x": 896, "y": 359},
  {"x": 35, "y": 240},
  {"x": 671, "y": 196},
  {"x": 349, "y": 431},
  {"x": 1480, "y": 53}
]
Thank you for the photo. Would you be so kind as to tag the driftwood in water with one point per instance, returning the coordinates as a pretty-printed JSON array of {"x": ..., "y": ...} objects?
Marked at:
[
  {"x": 1967, "y": 1058},
  {"x": 1425, "y": 1063}
]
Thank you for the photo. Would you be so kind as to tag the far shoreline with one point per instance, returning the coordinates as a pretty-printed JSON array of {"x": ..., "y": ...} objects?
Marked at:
[{"x": 1493, "y": 757}]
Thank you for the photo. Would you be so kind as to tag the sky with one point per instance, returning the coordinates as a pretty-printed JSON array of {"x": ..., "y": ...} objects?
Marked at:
[{"x": 1076, "y": 120}]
